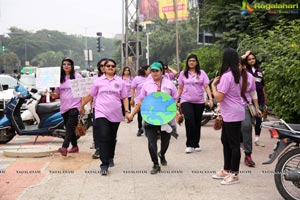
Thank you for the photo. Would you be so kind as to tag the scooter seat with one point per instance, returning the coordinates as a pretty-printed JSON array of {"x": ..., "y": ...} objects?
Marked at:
[{"x": 44, "y": 108}]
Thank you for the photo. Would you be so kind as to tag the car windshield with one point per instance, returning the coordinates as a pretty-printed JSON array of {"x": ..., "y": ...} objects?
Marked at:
[{"x": 8, "y": 80}]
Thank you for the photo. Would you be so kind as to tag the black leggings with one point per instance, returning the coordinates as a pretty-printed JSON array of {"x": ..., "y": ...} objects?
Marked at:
[
  {"x": 231, "y": 133},
  {"x": 106, "y": 134},
  {"x": 70, "y": 121},
  {"x": 192, "y": 118}
]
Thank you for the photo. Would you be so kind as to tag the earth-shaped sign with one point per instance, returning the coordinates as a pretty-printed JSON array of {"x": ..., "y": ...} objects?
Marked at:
[{"x": 158, "y": 108}]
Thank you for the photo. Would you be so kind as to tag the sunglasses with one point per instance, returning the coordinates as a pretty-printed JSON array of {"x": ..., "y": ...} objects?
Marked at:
[
  {"x": 113, "y": 66},
  {"x": 66, "y": 64}
]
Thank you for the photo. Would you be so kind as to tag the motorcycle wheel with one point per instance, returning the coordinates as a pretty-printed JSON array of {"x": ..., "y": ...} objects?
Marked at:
[
  {"x": 204, "y": 120},
  {"x": 87, "y": 122},
  {"x": 288, "y": 189},
  {"x": 6, "y": 136}
]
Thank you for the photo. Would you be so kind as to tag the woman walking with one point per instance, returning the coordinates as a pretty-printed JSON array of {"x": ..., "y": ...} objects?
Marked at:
[
  {"x": 155, "y": 84},
  {"x": 192, "y": 83},
  {"x": 107, "y": 91},
  {"x": 69, "y": 106}
]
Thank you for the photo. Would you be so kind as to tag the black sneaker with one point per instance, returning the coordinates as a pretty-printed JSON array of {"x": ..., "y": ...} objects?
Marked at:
[
  {"x": 140, "y": 132},
  {"x": 163, "y": 160},
  {"x": 155, "y": 169},
  {"x": 96, "y": 155},
  {"x": 111, "y": 163},
  {"x": 104, "y": 170}
]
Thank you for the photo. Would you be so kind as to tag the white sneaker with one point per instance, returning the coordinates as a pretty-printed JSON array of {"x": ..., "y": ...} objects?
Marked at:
[
  {"x": 189, "y": 150},
  {"x": 230, "y": 179},
  {"x": 197, "y": 149}
]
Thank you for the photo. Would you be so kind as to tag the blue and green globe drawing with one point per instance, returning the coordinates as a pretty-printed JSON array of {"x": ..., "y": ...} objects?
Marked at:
[{"x": 158, "y": 108}]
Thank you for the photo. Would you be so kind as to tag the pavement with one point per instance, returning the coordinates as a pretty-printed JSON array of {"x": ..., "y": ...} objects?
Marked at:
[{"x": 187, "y": 176}]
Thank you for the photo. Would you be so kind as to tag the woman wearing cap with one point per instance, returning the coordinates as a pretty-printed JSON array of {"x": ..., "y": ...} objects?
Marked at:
[
  {"x": 155, "y": 84},
  {"x": 192, "y": 83},
  {"x": 107, "y": 90},
  {"x": 69, "y": 106}
]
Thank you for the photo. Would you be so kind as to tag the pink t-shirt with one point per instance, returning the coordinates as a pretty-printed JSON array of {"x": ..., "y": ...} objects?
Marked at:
[
  {"x": 150, "y": 86},
  {"x": 250, "y": 87},
  {"x": 107, "y": 95},
  {"x": 166, "y": 86},
  {"x": 67, "y": 101},
  {"x": 193, "y": 87},
  {"x": 128, "y": 85},
  {"x": 232, "y": 107},
  {"x": 137, "y": 84}
]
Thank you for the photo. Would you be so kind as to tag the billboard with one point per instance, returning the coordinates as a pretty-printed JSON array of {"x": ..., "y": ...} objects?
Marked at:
[{"x": 153, "y": 9}]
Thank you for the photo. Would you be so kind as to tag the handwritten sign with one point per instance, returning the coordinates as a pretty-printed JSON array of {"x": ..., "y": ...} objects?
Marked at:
[
  {"x": 47, "y": 77},
  {"x": 81, "y": 87}
]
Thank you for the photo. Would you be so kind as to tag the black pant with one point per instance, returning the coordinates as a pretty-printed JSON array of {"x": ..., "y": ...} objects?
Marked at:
[
  {"x": 140, "y": 120},
  {"x": 258, "y": 121},
  {"x": 192, "y": 117},
  {"x": 106, "y": 134},
  {"x": 70, "y": 121},
  {"x": 152, "y": 133},
  {"x": 231, "y": 133}
]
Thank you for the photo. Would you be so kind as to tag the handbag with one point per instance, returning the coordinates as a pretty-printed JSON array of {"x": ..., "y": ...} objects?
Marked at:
[
  {"x": 80, "y": 130},
  {"x": 179, "y": 117},
  {"x": 252, "y": 109},
  {"x": 218, "y": 122}
]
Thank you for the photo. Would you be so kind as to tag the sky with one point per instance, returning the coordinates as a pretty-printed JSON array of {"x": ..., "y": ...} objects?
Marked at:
[{"x": 79, "y": 17}]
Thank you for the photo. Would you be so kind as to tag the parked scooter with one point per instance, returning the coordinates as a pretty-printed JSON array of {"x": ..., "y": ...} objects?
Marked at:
[
  {"x": 51, "y": 121},
  {"x": 287, "y": 170},
  {"x": 209, "y": 113}
]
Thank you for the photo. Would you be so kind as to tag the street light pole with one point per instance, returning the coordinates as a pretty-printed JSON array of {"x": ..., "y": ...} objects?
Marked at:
[{"x": 148, "y": 49}]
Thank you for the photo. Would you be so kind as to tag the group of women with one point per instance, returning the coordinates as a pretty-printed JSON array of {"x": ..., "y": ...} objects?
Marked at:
[{"x": 110, "y": 93}]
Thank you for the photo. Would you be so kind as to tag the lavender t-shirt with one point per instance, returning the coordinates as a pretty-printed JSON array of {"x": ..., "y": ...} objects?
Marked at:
[
  {"x": 67, "y": 101},
  {"x": 232, "y": 107},
  {"x": 137, "y": 84},
  {"x": 250, "y": 86},
  {"x": 193, "y": 87},
  {"x": 108, "y": 94},
  {"x": 128, "y": 85}
]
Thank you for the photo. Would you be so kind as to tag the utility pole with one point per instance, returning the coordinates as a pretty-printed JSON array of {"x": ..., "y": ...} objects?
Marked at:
[{"x": 177, "y": 34}]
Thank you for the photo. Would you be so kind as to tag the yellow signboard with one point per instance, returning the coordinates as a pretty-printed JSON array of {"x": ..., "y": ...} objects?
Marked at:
[
  {"x": 153, "y": 9},
  {"x": 166, "y": 9}
]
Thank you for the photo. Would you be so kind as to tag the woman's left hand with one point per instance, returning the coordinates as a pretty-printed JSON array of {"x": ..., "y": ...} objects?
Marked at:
[{"x": 216, "y": 80}]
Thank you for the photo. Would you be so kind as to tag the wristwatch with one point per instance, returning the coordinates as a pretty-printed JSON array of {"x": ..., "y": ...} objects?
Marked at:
[{"x": 127, "y": 111}]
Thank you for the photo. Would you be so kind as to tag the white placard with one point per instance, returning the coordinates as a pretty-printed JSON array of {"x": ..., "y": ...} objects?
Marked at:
[
  {"x": 81, "y": 87},
  {"x": 47, "y": 77}
]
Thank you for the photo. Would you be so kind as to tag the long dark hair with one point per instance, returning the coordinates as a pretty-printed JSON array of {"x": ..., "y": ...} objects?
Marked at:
[
  {"x": 256, "y": 63},
  {"x": 63, "y": 73},
  {"x": 230, "y": 61},
  {"x": 124, "y": 69},
  {"x": 98, "y": 66},
  {"x": 244, "y": 76},
  {"x": 142, "y": 70},
  {"x": 187, "y": 68},
  {"x": 111, "y": 60}
]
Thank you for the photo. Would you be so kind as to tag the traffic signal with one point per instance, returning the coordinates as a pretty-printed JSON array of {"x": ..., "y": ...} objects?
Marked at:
[
  {"x": 3, "y": 48},
  {"x": 99, "y": 44},
  {"x": 138, "y": 27}
]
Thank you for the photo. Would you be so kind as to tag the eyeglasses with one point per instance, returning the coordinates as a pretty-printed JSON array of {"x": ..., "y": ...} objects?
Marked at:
[
  {"x": 154, "y": 70},
  {"x": 66, "y": 64},
  {"x": 192, "y": 60},
  {"x": 113, "y": 66}
]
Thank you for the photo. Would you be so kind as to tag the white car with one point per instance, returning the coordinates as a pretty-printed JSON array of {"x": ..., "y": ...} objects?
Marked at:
[{"x": 6, "y": 94}]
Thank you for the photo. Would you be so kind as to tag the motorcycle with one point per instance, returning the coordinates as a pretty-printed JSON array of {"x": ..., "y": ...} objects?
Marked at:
[
  {"x": 287, "y": 150},
  {"x": 51, "y": 122},
  {"x": 209, "y": 113}
]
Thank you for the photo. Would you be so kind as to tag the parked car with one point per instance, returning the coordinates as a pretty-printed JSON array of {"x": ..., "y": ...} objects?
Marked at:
[{"x": 6, "y": 95}]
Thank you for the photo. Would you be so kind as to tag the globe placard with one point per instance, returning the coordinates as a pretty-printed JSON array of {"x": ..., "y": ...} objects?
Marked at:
[{"x": 158, "y": 108}]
